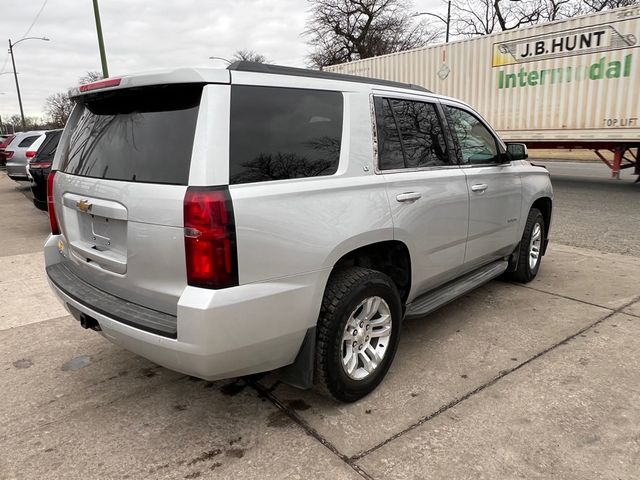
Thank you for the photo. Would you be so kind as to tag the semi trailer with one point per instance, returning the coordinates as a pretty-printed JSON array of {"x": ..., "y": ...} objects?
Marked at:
[{"x": 572, "y": 84}]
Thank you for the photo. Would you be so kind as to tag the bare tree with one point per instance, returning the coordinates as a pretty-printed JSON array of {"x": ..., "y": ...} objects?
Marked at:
[
  {"x": 481, "y": 17},
  {"x": 599, "y": 5},
  {"x": 558, "y": 9},
  {"x": 31, "y": 123},
  {"x": 345, "y": 30},
  {"x": 249, "y": 56},
  {"x": 90, "y": 76},
  {"x": 58, "y": 107}
]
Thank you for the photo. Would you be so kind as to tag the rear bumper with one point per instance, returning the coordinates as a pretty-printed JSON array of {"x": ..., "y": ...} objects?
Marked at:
[
  {"x": 219, "y": 333},
  {"x": 17, "y": 170},
  {"x": 39, "y": 187}
]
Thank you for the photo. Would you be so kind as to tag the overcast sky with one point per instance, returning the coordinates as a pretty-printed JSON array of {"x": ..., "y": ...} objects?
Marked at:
[{"x": 142, "y": 35}]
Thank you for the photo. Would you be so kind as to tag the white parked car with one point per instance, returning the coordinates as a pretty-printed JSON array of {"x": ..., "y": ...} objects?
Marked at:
[
  {"x": 18, "y": 153},
  {"x": 228, "y": 222}
]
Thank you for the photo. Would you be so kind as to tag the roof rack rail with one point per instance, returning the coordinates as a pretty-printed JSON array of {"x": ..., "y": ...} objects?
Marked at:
[{"x": 244, "y": 66}]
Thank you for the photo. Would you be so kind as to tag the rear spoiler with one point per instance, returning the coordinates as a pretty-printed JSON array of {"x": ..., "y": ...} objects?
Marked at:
[{"x": 163, "y": 77}]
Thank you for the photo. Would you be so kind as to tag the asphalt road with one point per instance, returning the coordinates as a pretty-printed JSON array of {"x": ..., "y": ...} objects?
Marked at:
[{"x": 592, "y": 210}]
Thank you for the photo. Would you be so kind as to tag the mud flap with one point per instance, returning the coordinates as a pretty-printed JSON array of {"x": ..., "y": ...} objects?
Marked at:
[
  {"x": 513, "y": 259},
  {"x": 300, "y": 373}
]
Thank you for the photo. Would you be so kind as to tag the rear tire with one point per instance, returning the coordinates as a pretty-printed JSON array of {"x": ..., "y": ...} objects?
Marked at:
[
  {"x": 531, "y": 245},
  {"x": 358, "y": 332}
]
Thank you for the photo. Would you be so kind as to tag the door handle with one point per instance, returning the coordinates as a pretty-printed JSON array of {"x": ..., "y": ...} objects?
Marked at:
[
  {"x": 480, "y": 187},
  {"x": 408, "y": 197}
]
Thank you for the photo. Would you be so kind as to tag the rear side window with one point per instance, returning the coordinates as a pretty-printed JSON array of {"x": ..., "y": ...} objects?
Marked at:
[
  {"x": 48, "y": 147},
  {"x": 28, "y": 141},
  {"x": 410, "y": 135},
  {"x": 138, "y": 135},
  {"x": 281, "y": 133}
]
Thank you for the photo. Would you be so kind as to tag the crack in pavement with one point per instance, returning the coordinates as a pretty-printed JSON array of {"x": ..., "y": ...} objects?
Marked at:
[
  {"x": 351, "y": 461},
  {"x": 309, "y": 430},
  {"x": 559, "y": 295},
  {"x": 490, "y": 383}
]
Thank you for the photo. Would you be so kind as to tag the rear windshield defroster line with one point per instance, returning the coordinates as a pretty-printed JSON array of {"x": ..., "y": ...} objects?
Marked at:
[{"x": 142, "y": 134}]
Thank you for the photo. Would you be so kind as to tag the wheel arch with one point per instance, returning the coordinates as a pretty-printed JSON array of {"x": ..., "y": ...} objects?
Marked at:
[
  {"x": 390, "y": 257},
  {"x": 379, "y": 256},
  {"x": 545, "y": 205}
]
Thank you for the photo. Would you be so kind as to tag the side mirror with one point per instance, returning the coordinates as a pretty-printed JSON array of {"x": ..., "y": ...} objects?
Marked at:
[{"x": 517, "y": 151}]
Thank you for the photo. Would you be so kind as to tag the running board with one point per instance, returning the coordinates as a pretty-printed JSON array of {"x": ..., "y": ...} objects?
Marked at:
[{"x": 433, "y": 300}]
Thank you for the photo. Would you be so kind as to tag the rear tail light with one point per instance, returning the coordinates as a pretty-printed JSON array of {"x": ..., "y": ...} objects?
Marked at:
[
  {"x": 210, "y": 238},
  {"x": 31, "y": 153},
  {"x": 53, "y": 220},
  {"x": 38, "y": 165},
  {"x": 8, "y": 154}
]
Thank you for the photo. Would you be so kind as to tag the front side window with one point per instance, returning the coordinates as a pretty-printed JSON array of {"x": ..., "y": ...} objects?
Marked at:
[
  {"x": 476, "y": 144},
  {"x": 281, "y": 133},
  {"x": 409, "y": 135}
]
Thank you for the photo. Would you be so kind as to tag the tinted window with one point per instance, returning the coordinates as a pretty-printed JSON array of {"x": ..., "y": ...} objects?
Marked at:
[
  {"x": 280, "y": 133},
  {"x": 476, "y": 144},
  {"x": 48, "y": 147},
  {"x": 410, "y": 135},
  {"x": 28, "y": 141},
  {"x": 139, "y": 134},
  {"x": 390, "y": 153}
]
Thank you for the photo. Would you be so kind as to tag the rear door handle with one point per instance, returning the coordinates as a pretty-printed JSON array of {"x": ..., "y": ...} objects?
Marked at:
[
  {"x": 408, "y": 197},
  {"x": 480, "y": 187}
]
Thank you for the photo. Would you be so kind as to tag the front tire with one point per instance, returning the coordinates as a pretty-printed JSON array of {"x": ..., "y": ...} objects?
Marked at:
[
  {"x": 358, "y": 332},
  {"x": 531, "y": 245}
]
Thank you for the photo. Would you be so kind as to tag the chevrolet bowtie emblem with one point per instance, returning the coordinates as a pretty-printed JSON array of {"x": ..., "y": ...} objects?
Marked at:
[{"x": 84, "y": 206}]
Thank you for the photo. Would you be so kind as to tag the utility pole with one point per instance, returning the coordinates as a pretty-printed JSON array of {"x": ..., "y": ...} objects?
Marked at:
[
  {"x": 448, "y": 21},
  {"x": 103, "y": 56},
  {"x": 15, "y": 75}
]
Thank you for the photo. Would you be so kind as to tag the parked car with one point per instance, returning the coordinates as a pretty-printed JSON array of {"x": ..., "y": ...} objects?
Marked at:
[
  {"x": 22, "y": 148},
  {"x": 5, "y": 140},
  {"x": 40, "y": 166},
  {"x": 228, "y": 222}
]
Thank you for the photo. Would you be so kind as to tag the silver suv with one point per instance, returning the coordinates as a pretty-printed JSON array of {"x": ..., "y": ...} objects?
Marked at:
[
  {"x": 20, "y": 151},
  {"x": 227, "y": 222}
]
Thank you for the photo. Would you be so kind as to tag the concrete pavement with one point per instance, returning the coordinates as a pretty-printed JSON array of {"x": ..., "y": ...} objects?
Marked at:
[{"x": 511, "y": 381}]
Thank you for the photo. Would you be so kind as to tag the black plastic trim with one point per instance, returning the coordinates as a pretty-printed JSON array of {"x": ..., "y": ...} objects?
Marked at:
[
  {"x": 300, "y": 373},
  {"x": 111, "y": 306},
  {"x": 244, "y": 66}
]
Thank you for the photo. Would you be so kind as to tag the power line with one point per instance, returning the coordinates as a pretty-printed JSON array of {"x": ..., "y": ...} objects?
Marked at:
[
  {"x": 44, "y": 4},
  {"x": 35, "y": 19}
]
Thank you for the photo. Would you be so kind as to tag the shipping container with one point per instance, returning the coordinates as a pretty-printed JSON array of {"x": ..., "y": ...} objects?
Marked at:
[{"x": 567, "y": 84}]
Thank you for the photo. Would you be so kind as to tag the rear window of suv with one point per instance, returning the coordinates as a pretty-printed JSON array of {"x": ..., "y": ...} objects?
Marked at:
[
  {"x": 281, "y": 133},
  {"x": 27, "y": 142},
  {"x": 140, "y": 134}
]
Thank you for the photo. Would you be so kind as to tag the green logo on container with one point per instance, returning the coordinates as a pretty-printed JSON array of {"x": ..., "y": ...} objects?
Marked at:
[{"x": 600, "y": 70}]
